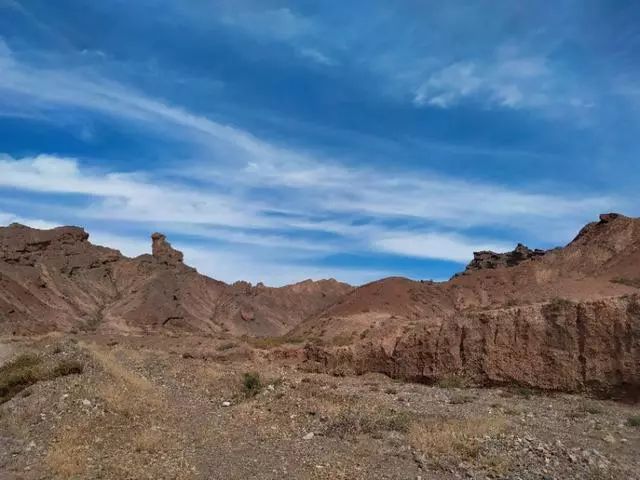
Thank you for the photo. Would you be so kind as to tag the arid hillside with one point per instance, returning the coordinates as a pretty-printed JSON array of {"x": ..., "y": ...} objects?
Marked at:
[
  {"x": 566, "y": 319},
  {"x": 56, "y": 280},
  {"x": 115, "y": 367}
]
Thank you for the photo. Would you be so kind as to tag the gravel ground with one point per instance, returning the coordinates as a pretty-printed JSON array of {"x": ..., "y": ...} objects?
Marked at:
[{"x": 157, "y": 408}]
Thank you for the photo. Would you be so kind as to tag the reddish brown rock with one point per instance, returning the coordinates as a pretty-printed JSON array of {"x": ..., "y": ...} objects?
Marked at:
[
  {"x": 559, "y": 345},
  {"x": 57, "y": 280},
  {"x": 565, "y": 319},
  {"x": 163, "y": 251},
  {"x": 568, "y": 319},
  {"x": 488, "y": 260}
]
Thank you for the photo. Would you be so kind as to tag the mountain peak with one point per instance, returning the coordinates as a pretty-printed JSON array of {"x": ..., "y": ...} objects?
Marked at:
[{"x": 162, "y": 250}]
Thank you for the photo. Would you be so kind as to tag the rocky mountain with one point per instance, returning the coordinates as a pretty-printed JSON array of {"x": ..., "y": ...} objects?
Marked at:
[
  {"x": 565, "y": 319},
  {"x": 57, "y": 280}
]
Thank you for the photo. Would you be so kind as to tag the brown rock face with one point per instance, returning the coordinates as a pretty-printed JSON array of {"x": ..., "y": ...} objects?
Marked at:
[
  {"x": 163, "y": 251},
  {"x": 568, "y": 319},
  {"x": 559, "y": 345},
  {"x": 489, "y": 260},
  {"x": 565, "y": 319},
  {"x": 57, "y": 280}
]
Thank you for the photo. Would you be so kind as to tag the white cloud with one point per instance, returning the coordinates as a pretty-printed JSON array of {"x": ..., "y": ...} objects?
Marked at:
[
  {"x": 125, "y": 196},
  {"x": 232, "y": 263},
  {"x": 236, "y": 199},
  {"x": 435, "y": 246},
  {"x": 7, "y": 218},
  {"x": 513, "y": 82},
  {"x": 280, "y": 25}
]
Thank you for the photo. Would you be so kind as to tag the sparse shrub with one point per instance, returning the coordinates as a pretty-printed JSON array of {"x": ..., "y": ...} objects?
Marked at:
[
  {"x": 451, "y": 381},
  {"x": 148, "y": 442},
  {"x": 558, "y": 304},
  {"x": 355, "y": 422},
  {"x": 18, "y": 374},
  {"x": 390, "y": 391},
  {"x": 459, "y": 399},
  {"x": 524, "y": 392},
  {"x": 27, "y": 369},
  {"x": 226, "y": 346},
  {"x": 67, "y": 367},
  {"x": 450, "y": 441},
  {"x": 271, "y": 342},
  {"x": 585, "y": 408},
  {"x": 629, "y": 282},
  {"x": 341, "y": 340},
  {"x": 251, "y": 384},
  {"x": 634, "y": 421}
]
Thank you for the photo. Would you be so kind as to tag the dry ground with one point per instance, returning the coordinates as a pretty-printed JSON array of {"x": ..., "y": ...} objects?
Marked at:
[{"x": 183, "y": 408}]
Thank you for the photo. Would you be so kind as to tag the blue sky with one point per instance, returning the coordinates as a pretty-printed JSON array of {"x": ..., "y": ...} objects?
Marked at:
[{"x": 278, "y": 141}]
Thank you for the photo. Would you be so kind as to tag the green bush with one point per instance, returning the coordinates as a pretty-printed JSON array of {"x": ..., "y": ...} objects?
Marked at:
[{"x": 634, "y": 421}]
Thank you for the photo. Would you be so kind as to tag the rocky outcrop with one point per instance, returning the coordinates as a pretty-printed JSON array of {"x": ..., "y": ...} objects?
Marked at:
[
  {"x": 57, "y": 280},
  {"x": 487, "y": 259},
  {"x": 564, "y": 319},
  {"x": 558, "y": 345},
  {"x": 163, "y": 251}
]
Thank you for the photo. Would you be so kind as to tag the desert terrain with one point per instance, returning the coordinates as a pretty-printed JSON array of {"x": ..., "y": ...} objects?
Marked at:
[{"x": 524, "y": 366}]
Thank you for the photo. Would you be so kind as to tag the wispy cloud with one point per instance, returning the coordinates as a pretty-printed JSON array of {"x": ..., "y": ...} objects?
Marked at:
[
  {"x": 281, "y": 23},
  {"x": 435, "y": 245},
  {"x": 510, "y": 80},
  {"x": 317, "y": 56},
  {"x": 245, "y": 190}
]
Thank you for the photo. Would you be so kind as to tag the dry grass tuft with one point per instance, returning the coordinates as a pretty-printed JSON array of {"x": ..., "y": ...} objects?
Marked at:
[
  {"x": 18, "y": 374},
  {"x": 67, "y": 457},
  {"x": 352, "y": 421},
  {"x": 125, "y": 392},
  {"x": 453, "y": 440},
  {"x": 460, "y": 398},
  {"x": 67, "y": 367},
  {"x": 148, "y": 441},
  {"x": 28, "y": 369}
]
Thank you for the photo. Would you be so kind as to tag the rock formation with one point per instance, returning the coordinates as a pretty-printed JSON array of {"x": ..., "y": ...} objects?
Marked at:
[
  {"x": 57, "y": 280},
  {"x": 163, "y": 251},
  {"x": 565, "y": 319},
  {"x": 488, "y": 259},
  {"x": 568, "y": 319}
]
